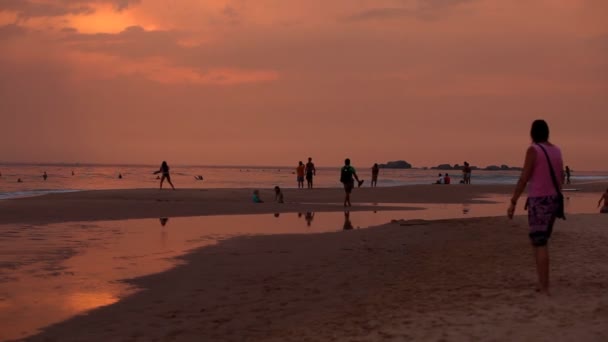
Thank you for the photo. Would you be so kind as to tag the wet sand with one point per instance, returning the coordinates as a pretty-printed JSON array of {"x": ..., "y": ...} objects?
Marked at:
[
  {"x": 468, "y": 279},
  {"x": 154, "y": 203}
]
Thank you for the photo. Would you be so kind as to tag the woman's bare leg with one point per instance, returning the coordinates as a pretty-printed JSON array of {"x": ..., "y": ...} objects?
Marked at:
[
  {"x": 162, "y": 179},
  {"x": 169, "y": 180},
  {"x": 541, "y": 255}
]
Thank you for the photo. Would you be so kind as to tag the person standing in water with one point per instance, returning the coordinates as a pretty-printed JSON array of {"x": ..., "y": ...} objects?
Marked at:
[
  {"x": 44, "y": 175},
  {"x": 543, "y": 167},
  {"x": 466, "y": 173},
  {"x": 310, "y": 172},
  {"x": 164, "y": 171},
  {"x": 568, "y": 171},
  {"x": 347, "y": 173},
  {"x": 375, "y": 172},
  {"x": 604, "y": 198},
  {"x": 300, "y": 174}
]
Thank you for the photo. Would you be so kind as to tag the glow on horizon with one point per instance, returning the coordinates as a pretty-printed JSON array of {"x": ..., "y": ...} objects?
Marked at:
[{"x": 265, "y": 83}]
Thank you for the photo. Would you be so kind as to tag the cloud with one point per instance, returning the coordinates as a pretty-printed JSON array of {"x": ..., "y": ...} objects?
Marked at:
[
  {"x": 11, "y": 30},
  {"x": 423, "y": 9},
  {"x": 57, "y": 8}
]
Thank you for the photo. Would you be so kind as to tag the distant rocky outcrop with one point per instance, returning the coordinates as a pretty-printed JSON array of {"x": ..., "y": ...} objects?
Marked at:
[
  {"x": 488, "y": 168},
  {"x": 398, "y": 164}
]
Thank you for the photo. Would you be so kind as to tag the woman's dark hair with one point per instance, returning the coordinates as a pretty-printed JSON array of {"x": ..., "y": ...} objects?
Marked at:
[{"x": 539, "y": 131}]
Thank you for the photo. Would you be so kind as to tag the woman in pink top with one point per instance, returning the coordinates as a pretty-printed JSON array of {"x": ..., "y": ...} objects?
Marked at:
[{"x": 542, "y": 200}]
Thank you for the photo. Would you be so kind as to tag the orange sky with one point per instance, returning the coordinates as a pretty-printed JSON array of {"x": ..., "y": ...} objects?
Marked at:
[{"x": 274, "y": 81}]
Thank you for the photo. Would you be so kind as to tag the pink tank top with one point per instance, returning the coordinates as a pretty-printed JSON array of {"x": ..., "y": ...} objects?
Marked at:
[{"x": 541, "y": 183}]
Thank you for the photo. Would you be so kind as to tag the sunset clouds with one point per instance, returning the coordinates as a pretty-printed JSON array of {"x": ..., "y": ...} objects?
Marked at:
[{"x": 447, "y": 76}]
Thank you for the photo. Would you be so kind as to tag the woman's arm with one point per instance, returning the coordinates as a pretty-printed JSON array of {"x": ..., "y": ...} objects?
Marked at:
[{"x": 526, "y": 173}]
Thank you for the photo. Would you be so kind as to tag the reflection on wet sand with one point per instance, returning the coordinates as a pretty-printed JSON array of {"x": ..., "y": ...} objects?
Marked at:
[
  {"x": 347, "y": 224},
  {"x": 50, "y": 273}
]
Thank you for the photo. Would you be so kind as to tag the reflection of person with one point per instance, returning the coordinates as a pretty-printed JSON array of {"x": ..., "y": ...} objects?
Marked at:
[
  {"x": 541, "y": 172},
  {"x": 347, "y": 224},
  {"x": 309, "y": 217},
  {"x": 604, "y": 198},
  {"x": 375, "y": 171},
  {"x": 163, "y": 221},
  {"x": 300, "y": 174},
  {"x": 346, "y": 177},
  {"x": 568, "y": 171},
  {"x": 256, "y": 197},
  {"x": 164, "y": 171},
  {"x": 310, "y": 172}
]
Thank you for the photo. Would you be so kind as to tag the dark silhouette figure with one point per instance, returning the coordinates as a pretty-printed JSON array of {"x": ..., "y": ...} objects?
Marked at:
[
  {"x": 347, "y": 224},
  {"x": 310, "y": 172},
  {"x": 163, "y": 221},
  {"x": 466, "y": 173},
  {"x": 19, "y": 180},
  {"x": 120, "y": 176},
  {"x": 567, "y": 172},
  {"x": 164, "y": 171},
  {"x": 347, "y": 173},
  {"x": 278, "y": 195},
  {"x": 300, "y": 174},
  {"x": 604, "y": 198},
  {"x": 73, "y": 172},
  {"x": 375, "y": 171},
  {"x": 44, "y": 175}
]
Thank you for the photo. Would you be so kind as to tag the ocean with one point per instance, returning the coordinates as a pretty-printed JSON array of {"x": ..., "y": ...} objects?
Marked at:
[{"x": 99, "y": 177}]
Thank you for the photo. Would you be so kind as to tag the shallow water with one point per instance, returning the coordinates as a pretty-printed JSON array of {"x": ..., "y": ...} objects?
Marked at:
[{"x": 50, "y": 273}]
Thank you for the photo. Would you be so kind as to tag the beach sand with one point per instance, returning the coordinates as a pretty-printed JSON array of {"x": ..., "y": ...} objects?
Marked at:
[
  {"x": 453, "y": 280},
  {"x": 466, "y": 279},
  {"x": 154, "y": 203}
]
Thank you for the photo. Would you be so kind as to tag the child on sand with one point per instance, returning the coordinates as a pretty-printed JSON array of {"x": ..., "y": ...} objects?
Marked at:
[
  {"x": 604, "y": 198},
  {"x": 278, "y": 195},
  {"x": 256, "y": 197}
]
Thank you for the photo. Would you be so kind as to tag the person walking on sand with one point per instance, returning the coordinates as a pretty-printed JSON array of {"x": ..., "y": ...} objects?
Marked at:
[
  {"x": 568, "y": 171},
  {"x": 604, "y": 198},
  {"x": 543, "y": 173},
  {"x": 164, "y": 171},
  {"x": 310, "y": 172},
  {"x": 300, "y": 175},
  {"x": 347, "y": 173},
  {"x": 375, "y": 171}
]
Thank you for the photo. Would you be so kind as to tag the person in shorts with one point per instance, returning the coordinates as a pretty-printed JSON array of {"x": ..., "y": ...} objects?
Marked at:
[
  {"x": 375, "y": 172},
  {"x": 300, "y": 175},
  {"x": 543, "y": 197},
  {"x": 310, "y": 172},
  {"x": 348, "y": 175}
]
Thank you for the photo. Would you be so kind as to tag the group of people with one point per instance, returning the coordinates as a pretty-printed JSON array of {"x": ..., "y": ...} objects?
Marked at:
[
  {"x": 443, "y": 179},
  {"x": 309, "y": 170}
]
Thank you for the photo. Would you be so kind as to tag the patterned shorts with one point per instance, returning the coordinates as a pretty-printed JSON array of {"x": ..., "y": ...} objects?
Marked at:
[{"x": 541, "y": 217}]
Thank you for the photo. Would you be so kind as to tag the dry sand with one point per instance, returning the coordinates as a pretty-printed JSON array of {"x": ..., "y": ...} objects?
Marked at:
[
  {"x": 454, "y": 280},
  {"x": 151, "y": 203}
]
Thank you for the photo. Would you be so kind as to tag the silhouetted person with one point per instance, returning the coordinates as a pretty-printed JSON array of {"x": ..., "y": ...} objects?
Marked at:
[
  {"x": 164, "y": 171},
  {"x": 375, "y": 172},
  {"x": 72, "y": 172},
  {"x": 19, "y": 180},
  {"x": 163, "y": 221},
  {"x": 347, "y": 173},
  {"x": 466, "y": 173},
  {"x": 300, "y": 174},
  {"x": 120, "y": 176},
  {"x": 310, "y": 172},
  {"x": 44, "y": 175},
  {"x": 347, "y": 224},
  {"x": 278, "y": 195},
  {"x": 568, "y": 171}
]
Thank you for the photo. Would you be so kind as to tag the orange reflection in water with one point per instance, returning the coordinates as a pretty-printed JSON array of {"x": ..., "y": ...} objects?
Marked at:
[{"x": 84, "y": 301}]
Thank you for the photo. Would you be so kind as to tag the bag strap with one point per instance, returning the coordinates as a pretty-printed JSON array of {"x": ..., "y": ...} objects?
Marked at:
[{"x": 555, "y": 183}]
